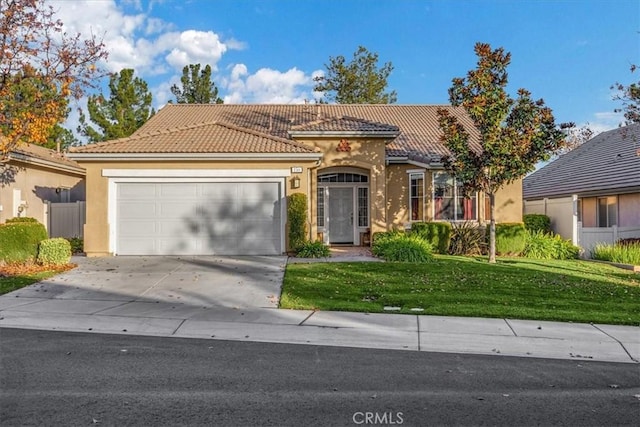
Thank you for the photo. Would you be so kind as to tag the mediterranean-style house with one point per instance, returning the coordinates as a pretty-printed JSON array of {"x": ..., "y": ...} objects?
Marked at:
[
  {"x": 214, "y": 179},
  {"x": 592, "y": 193},
  {"x": 31, "y": 176}
]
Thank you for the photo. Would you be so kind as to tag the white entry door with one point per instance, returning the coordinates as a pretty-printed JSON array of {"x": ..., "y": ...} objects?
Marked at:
[{"x": 340, "y": 215}]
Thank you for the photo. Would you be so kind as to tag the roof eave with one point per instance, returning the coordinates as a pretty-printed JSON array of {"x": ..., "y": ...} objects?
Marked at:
[
  {"x": 25, "y": 158},
  {"x": 193, "y": 156}
]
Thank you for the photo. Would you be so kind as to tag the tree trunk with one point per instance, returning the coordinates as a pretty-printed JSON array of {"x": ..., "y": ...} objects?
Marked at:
[{"x": 492, "y": 228}]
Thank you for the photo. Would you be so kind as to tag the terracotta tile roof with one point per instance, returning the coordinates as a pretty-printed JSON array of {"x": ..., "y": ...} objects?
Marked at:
[
  {"x": 345, "y": 124},
  {"x": 419, "y": 133},
  {"x": 36, "y": 152},
  {"x": 608, "y": 163},
  {"x": 209, "y": 137}
]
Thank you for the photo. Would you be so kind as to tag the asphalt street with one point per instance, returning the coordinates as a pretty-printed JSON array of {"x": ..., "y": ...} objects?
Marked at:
[{"x": 62, "y": 378}]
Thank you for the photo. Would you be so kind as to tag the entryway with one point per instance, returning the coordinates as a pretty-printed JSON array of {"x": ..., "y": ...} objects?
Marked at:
[{"x": 343, "y": 205}]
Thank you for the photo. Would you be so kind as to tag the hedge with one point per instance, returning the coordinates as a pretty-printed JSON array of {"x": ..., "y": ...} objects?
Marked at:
[
  {"x": 438, "y": 234},
  {"x": 537, "y": 222},
  {"x": 511, "y": 238},
  {"x": 297, "y": 214},
  {"x": 19, "y": 240},
  {"x": 56, "y": 251}
]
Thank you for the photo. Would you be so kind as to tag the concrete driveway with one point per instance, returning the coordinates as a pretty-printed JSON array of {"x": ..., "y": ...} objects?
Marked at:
[{"x": 202, "y": 282}]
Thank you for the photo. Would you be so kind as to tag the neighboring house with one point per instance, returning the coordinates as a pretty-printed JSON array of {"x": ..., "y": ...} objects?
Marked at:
[
  {"x": 592, "y": 193},
  {"x": 213, "y": 179},
  {"x": 34, "y": 175}
]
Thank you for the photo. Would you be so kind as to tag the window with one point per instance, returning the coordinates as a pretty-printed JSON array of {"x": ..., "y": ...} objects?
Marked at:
[
  {"x": 416, "y": 196},
  {"x": 449, "y": 201},
  {"x": 363, "y": 207},
  {"x": 607, "y": 211},
  {"x": 320, "y": 213},
  {"x": 343, "y": 177}
]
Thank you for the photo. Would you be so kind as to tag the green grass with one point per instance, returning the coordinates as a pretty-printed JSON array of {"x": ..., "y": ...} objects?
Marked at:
[
  {"x": 568, "y": 290},
  {"x": 12, "y": 283}
]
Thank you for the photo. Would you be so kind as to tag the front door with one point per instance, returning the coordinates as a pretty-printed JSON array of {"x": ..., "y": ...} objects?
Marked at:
[{"x": 340, "y": 215}]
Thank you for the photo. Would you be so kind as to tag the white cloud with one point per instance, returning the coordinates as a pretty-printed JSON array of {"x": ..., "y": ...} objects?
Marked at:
[
  {"x": 267, "y": 86},
  {"x": 604, "y": 121},
  {"x": 192, "y": 47}
]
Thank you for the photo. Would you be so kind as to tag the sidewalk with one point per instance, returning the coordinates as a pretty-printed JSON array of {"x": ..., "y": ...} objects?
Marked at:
[{"x": 507, "y": 337}]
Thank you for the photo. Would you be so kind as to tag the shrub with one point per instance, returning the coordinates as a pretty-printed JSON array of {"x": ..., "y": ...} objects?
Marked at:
[
  {"x": 19, "y": 240},
  {"x": 537, "y": 222},
  {"x": 20, "y": 219},
  {"x": 467, "y": 238},
  {"x": 77, "y": 245},
  {"x": 315, "y": 249},
  {"x": 438, "y": 234},
  {"x": 628, "y": 253},
  {"x": 401, "y": 247},
  {"x": 56, "y": 251},
  {"x": 297, "y": 214},
  {"x": 510, "y": 238},
  {"x": 541, "y": 245}
]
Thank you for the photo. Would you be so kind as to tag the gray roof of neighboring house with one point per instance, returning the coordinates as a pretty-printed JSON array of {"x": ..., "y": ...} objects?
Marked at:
[
  {"x": 609, "y": 163},
  {"x": 44, "y": 157},
  {"x": 413, "y": 130}
]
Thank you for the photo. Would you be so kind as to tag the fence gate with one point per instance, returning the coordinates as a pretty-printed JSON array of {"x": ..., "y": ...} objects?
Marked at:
[{"x": 66, "y": 219}]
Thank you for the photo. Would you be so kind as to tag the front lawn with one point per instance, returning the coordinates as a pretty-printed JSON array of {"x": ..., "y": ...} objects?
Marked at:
[
  {"x": 575, "y": 291},
  {"x": 14, "y": 277}
]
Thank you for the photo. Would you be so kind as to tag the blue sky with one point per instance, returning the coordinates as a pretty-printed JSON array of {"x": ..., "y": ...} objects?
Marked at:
[{"x": 567, "y": 52}]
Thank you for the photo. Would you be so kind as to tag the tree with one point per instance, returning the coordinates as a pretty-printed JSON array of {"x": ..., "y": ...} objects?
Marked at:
[
  {"x": 197, "y": 87},
  {"x": 61, "y": 138},
  {"x": 630, "y": 98},
  {"x": 41, "y": 67},
  {"x": 128, "y": 108},
  {"x": 358, "y": 82},
  {"x": 513, "y": 134}
]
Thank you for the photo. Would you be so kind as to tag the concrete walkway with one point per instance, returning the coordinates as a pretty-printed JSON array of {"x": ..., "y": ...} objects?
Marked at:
[{"x": 159, "y": 312}]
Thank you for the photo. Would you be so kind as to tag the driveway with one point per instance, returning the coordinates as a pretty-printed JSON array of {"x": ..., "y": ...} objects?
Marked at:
[{"x": 202, "y": 282}]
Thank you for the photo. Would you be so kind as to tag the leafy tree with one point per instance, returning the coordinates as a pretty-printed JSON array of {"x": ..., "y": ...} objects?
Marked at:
[
  {"x": 357, "y": 82},
  {"x": 62, "y": 136},
  {"x": 41, "y": 67},
  {"x": 128, "y": 108},
  {"x": 630, "y": 98},
  {"x": 513, "y": 134},
  {"x": 197, "y": 87}
]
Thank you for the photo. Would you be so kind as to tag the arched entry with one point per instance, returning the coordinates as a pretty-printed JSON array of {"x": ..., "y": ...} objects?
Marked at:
[{"x": 343, "y": 205}]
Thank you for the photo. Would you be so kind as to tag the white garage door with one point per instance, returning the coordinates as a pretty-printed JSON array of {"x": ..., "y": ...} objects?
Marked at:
[{"x": 204, "y": 218}]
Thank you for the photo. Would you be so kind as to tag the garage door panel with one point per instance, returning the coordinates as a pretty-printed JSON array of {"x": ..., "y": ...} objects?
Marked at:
[
  {"x": 219, "y": 191},
  {"x": 224, "y": 218},
  {"x": 179, "y": 190},
  {"x": 138, "y": 228},
  {"x": 137, "y": 191},
  {"x": 137, "y": 210},
  {"x": 176, "y": 209}
]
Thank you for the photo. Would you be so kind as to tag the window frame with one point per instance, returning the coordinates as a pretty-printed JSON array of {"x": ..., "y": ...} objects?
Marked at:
[
  {"x": 456, "y": 198},
  {"x": 418, "y": 175},
  {"x": 609, "y": 224},
  {"x": 364, "y": 206}
]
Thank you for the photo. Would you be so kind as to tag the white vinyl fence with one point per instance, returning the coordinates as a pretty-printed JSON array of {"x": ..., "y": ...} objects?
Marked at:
[
  {"x": 589, "y": 237},
  {"x": 66, "y": 219}
]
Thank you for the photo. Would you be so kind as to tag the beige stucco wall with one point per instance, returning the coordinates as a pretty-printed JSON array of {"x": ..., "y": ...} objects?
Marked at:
[
  {"x": 629, "y": 210},
  {"x": 509, "y": 203},
  {"x": 96, "y": 229},
  {"x": 37, "y": 185}
]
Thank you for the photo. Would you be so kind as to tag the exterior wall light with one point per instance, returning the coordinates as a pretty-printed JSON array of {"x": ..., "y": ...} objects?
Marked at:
[{"x": 295, "y": 182}]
